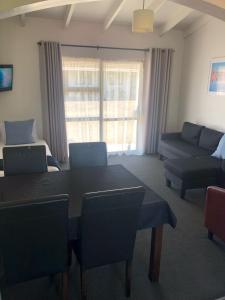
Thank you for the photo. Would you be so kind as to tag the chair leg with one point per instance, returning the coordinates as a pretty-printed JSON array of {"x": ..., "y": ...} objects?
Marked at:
[
  {"x": 65, "y": 285},
  {"x": 83, "y": 281},
  {"x": 3, "y": 295},
  {"x": 168, "y": 183},
  {"x": 182, "y": 193},
  {"x": 69, "y": 255},
  {"x": 128, "y": 277},
  {"x": 210, "y": 235}
]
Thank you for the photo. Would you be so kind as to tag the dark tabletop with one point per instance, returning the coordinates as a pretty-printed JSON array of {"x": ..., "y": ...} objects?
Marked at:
[{"x": 155, "y": 211}]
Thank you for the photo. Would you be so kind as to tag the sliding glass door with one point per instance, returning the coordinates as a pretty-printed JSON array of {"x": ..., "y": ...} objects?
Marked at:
[
  {"x": 120, "y": 105},
  {"x": 101, "y": 102}
]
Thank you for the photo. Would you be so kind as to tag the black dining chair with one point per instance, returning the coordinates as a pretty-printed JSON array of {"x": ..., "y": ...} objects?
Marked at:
[
  {"x": 24, "y": 160},
  {"x": 108, "y": 231},
  {"x": 34, "y": 241},
  {"x": 87, "y": 154}
]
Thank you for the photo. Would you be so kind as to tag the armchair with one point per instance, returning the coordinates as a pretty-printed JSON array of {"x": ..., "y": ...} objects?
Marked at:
[{"x": 215, "y": 212}]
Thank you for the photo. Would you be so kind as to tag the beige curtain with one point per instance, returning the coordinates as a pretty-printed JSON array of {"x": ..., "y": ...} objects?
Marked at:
[
  {"x": 157, "y": 81},
  {"x": 54, "y": 130}
]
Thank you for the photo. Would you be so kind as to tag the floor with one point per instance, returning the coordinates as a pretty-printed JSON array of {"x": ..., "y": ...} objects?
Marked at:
[{"x": 192, "y": 267}]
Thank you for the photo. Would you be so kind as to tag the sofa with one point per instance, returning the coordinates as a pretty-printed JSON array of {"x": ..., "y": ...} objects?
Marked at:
[
  {"x": 188, "y": 162},
  {"x": 193, "y": 141}
]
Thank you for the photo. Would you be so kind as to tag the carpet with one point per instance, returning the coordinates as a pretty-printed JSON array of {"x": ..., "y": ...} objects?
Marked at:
[{"x": 192, "y": 267}]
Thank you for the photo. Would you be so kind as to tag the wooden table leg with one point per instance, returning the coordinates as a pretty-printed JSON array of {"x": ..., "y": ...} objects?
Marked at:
[{"x": 155, "y": 254}]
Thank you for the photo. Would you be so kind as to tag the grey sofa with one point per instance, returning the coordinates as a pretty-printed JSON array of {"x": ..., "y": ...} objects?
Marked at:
[
  {"x": 193, "y": 141},
  {"x": 188, "y": 162}
]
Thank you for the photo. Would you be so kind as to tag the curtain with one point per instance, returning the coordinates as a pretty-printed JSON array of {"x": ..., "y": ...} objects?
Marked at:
[
  {"x": 54, "y": 130},
  {"x": 157, "y": 81},
  {"x": 101, "y": 102}
]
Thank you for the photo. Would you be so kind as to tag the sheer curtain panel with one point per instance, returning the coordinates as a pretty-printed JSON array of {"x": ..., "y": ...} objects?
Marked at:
[
  {"x": 121, "y": 81},
  {"x": 82, "y": 99},
  {"x": 51, "y": 80}
]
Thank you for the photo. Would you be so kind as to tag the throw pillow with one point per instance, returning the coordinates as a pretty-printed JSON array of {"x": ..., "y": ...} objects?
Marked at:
[
  {"x": 19, "y": 132},
  {"x": 220, "y": 151}
]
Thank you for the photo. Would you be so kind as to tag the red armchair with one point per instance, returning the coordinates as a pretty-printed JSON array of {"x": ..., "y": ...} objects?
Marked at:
[{"x": 215, "y": 212}]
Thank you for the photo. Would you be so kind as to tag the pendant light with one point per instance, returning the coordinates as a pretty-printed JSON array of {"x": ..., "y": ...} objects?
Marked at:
[{"x": 143, "y": 20}]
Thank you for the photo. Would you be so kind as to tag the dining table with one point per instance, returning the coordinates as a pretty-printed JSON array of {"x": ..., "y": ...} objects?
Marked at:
[{"x": 154, "y": 214}]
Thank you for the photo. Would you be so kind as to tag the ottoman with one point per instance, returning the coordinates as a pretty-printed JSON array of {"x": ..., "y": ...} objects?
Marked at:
[{"x": 191, "y": 173}]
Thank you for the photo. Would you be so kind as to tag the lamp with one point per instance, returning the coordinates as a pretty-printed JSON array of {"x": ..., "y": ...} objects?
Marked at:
[{"x": 143, "y": 20}]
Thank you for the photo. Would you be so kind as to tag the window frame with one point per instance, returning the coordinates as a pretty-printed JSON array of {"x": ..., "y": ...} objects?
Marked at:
[{"x": 101, "y": 119}]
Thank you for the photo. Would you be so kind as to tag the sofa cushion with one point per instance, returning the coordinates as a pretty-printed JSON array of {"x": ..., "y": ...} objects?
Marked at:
[
  {"x": 191, "y": 133},
  {"x": 194, "y": 167},
  {"x": 179, "y": 148},
  {"x": 209, "y": 139}
]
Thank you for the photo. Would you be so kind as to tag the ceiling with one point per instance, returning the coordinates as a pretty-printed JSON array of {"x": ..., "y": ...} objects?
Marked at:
[
  {"x": 169, "y": 14},
  {"x": 97, "y": 12}
]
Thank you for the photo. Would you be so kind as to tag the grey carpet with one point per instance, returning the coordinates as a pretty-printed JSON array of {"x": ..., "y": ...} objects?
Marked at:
[{"x": 192, "y": 267}]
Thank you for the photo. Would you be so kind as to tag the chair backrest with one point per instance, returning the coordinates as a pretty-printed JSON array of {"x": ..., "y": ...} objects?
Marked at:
[
  {"x": 87, "y": 154},
  {"x": 24, "y": 160},
  {"x": 108, "y": 226},
  {"x": 33, "y": 239}
]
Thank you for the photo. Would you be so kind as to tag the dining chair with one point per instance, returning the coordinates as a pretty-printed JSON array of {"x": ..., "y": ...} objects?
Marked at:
[
  {"x": 34, "y": 241},
  {"x": 24, "y": 160},
  {"x": 87, "y": 154},
  {"x": 109, "y": 222}
]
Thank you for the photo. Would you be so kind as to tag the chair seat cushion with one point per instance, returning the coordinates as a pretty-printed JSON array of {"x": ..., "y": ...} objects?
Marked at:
[
  {"x": 194, "y": 167},
  {"x": 76, "y": 246},
  {"x": 180, "y": 148}
]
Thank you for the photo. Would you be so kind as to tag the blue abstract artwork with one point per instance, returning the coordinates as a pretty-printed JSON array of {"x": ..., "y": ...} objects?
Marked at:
[
  {"x": 5, "y": 78},
  {"x": 217, "y": 78}
]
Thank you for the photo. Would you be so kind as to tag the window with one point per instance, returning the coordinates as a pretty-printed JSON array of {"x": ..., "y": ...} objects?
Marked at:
[{"x": 101, "y": 102}]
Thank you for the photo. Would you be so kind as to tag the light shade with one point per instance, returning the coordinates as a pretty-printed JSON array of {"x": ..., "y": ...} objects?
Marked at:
[{"x": 143, "y": 20}]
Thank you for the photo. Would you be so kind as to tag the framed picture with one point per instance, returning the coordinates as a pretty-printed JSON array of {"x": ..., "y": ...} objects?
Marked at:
[{"x": 217, "y": 77}]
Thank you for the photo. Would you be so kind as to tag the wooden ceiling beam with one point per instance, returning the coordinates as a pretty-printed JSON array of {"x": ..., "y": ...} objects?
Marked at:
[
  {"x": 36, "y": 6},
  {"x": 114, "y": 11},
  {"x": 180, "y": 14},
  {"x": 23, "y": 20},
  {"x": 197, "y": 25},
  {"x": 69, "y": 14},
  {"x": 214, "y": 8},
  {"x": 156, "y": 5}
]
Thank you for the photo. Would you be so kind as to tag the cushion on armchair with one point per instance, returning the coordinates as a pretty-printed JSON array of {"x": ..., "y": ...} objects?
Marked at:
[{"x": 191, "y": 133}]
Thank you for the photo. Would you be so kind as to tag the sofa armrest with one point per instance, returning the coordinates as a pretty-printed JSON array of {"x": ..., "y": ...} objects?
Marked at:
[
  {"x": 215, "y": 211},
  {"x": 170, "y": 135}
]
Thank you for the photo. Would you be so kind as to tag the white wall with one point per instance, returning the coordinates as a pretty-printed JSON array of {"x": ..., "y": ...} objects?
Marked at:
[
  {"x": 197, "y": 105},
  {"x": 18, "y": 45}
]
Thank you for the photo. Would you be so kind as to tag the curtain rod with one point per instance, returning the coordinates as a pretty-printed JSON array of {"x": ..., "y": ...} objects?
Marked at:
[
  {"x": 102, "y": 47},
  {"x": 105, "y": 47}
]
